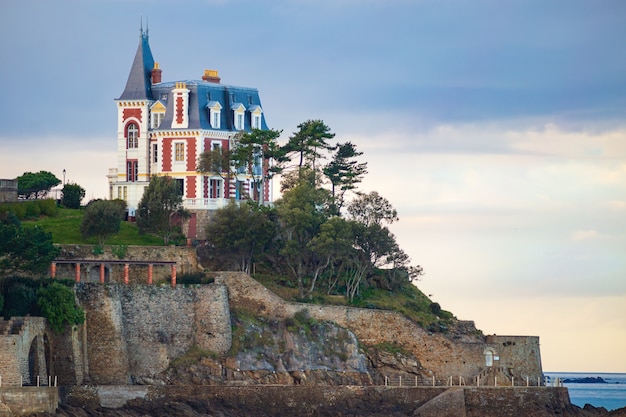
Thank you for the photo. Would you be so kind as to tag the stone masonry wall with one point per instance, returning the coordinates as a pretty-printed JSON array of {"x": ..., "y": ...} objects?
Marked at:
[
  {"x": 185, "y": 258},
  {"x": 134, "y": 332},
  {"x": 439, "y": 355},
  {"x": 520, "y": 352},
  {"x": 24, "y": 401},
  {"x": 25, "y": 333},
  {"x": 9, "y": 364},
  {"x": 312, "y": 400}
]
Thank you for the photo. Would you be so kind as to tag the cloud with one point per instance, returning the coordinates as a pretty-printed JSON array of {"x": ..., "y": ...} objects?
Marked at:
[{"x": 579, "y": 235}]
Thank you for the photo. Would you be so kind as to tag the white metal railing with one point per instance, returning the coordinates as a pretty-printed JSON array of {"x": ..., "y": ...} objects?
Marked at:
[
  {"x": 38, "y": 384},
  {"x": 451, "y": 381}
]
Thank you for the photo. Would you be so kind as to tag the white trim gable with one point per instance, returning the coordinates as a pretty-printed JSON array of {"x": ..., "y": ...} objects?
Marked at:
[
  {"x": 239, "y": 111},
  {"x": 215, "y": 114}
]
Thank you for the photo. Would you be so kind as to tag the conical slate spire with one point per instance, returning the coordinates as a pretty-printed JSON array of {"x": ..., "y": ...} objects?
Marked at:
[{"x": 138, "y": 86}]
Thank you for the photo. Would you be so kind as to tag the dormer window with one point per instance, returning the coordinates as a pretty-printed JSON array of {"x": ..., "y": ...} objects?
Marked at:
[
  {"x": 132, "y": 136},
  {"x": 215, "y": 114},
  {"x": 157, "y": 118},
  {"x": 239, "y": 111},
  {"x": 255, "y": 116},
  {"x": 157, "y": 112}
]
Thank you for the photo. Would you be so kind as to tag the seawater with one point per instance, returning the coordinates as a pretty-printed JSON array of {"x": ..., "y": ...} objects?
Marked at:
[{"x": 610, "y": 396}]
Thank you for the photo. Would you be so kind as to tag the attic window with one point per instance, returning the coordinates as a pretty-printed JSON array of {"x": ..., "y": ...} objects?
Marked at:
[
  {"x": 255, "y": 116},
  {"x": 215, "y": 114},
  {"x": 156, "y": 120},
  {"x": 239, "y": 111}
]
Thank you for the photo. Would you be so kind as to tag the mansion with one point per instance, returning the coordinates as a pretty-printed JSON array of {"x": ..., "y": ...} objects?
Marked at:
[{"x": 163, "y": 128}]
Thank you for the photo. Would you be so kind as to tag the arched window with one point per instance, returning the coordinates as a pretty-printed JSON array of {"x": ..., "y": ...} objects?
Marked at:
[
  {"x": 132, "y": 136},
  {"x": 489, "y": 356}
]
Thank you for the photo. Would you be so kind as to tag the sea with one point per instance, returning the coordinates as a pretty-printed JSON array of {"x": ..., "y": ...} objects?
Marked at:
[{"x": 611, "y": 395}]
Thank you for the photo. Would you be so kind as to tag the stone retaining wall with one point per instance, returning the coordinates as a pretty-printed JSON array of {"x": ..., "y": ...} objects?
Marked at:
[
  {"x": 134, "y": 332},
  {"x": 185, "y": 258},
  {"x": 22, "y": 401},
  {"x": 439, "y": 355},
  {"x": 320, "y": 400}
]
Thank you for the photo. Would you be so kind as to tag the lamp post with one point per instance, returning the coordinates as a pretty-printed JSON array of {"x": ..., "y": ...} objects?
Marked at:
[{"x": 63, "y": 177}]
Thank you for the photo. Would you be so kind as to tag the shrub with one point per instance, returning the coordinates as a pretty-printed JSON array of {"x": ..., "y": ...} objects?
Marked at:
[
  {"x": 32, "y": 209},
  {"x": 19, "y": 209},
  {"x": 73, "y": 194},
  {"x": 119, "y": 251},
  {"x": 20, "y": 298},
  {"x": 194, "y": 278},
  {"x": 48, "y": 207},
  {"x": 435, "y": 308},
  {"x": 57, "y": 304}
]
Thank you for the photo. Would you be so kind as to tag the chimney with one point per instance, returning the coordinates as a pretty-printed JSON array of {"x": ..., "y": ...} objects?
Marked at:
[
  {"x": 156, "y": 74},
  {"x": 211, "y": 76}
]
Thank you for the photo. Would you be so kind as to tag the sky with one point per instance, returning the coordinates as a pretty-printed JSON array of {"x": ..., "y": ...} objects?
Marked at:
[{"x": 496, "y": 129}]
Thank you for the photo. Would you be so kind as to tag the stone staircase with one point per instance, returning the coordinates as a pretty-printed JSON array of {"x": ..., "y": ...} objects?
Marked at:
[
  {"x": 12, "y": 326},
  {"x": 490, "y": 375}
]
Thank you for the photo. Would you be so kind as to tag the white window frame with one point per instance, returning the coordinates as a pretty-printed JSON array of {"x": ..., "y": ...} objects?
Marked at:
[
  {"x": 256, "y": 121},
  {"x": 132, "y": 135},
  {"x": 239, "y": 112},
  {"x": 216, "y": 118},
  {"x": 156, "y": 120},
  {"x": 215, "y": 115},
  {"x": 215, "y": 188},
  {"x": 176, "y": 153}
]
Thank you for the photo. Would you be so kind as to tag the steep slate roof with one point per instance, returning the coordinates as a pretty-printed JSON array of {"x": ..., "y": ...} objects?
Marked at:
[
  {"x": 138, "y": 86},
  {"x": 200, "y": 94}
]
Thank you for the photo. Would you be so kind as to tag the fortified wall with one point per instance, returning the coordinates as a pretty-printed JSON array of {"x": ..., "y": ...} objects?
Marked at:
[
  {"x": 23, "y": 342},
  {"x": 505, "y": 357},
  {"x": 134, "y": 332}
]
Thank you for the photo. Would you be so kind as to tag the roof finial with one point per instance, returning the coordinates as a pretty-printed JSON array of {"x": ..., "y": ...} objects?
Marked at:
[
  {"x": 147, "y": 27},
  {"x": 140, "y": 26}
]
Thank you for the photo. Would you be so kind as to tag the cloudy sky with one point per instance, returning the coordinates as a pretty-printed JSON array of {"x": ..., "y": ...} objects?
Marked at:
[{"x": 497, "y": 130}]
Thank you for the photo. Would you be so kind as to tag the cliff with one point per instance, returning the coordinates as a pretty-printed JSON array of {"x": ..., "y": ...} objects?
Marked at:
[
  {"x": 234, "y": 348},
  {"x": 236, "y": 331}
]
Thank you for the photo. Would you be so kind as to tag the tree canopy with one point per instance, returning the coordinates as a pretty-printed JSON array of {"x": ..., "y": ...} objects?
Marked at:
[
  {"x": 304, "y": 235},
  {"x": 239, "y": 235},
  {"x": 344, "y": 173},
  {"x": 73, "y": 194},
  {"x": 57, "y": 304},
  {"x": 102, "y": 219},
  {"x": 24, "y": 249},
  {"x": 251, "y": 154},
  {"x": 160, "y": 202},
  {"x": 36, "y": 185}
]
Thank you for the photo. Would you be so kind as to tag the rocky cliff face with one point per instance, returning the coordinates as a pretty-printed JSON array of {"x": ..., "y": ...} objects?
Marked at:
[
  {"x": 295, "y": 351},
  {"x": 135, "y": 333}
]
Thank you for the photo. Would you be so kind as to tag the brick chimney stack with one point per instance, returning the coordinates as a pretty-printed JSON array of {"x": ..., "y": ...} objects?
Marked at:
[
  {"x": 211, "y": 76},
  {"x": 156, "y": 74}
]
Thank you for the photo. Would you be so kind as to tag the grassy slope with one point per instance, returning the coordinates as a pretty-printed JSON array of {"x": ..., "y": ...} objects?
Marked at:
[
  {"x": 65, "y": 229},
  {"x": 408, "y": 300}
]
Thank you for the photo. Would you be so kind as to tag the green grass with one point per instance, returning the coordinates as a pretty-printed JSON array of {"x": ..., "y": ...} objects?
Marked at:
[
  {"x": 407, "y": 300},
  {"x": 65, "y": 229}
]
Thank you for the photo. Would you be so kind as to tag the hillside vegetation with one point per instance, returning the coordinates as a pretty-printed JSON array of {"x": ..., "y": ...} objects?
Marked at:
[{"x": 65, "y": 229}]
